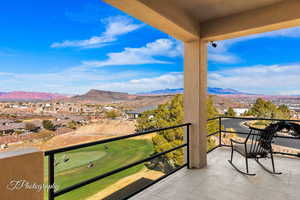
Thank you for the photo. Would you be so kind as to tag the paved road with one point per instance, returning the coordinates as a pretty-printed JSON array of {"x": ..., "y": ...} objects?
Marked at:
[{"x": 236, "y": 125}]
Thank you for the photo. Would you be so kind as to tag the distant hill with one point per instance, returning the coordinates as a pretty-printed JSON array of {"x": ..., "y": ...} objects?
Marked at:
[
  {"x": 210, "y": 90},
  {"x": 128, "y": 100},
  {"x": 103, "y": 96},
  {"x": 29, "y": 96},
  {"x": 163, "y": 91}
]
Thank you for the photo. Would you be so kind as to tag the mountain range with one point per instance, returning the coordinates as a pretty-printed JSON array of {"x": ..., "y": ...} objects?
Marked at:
[
  {"x": 103, "y": 96},
  {"x": 29, "y": 96},
  {"x": 210, "y": 90}
]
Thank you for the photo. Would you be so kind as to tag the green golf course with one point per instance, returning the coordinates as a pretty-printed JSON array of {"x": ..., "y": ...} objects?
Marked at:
[{"x": 78, "y": 165}]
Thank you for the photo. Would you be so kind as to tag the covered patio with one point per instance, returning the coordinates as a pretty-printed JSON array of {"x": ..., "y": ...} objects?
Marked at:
[
  {"x": 220, "y": 181},
  {"x": 198, "y": 23}
]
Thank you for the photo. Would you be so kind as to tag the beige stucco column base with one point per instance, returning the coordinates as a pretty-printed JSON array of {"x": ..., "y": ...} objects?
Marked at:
[{"x": 21, "y": 175}]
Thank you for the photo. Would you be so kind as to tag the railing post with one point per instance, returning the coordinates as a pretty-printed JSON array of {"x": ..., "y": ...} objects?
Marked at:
[
  {"x": 188, "y": 145},
  {"x": 51, "y": 177},
  {"x": 220, "y": 131}
]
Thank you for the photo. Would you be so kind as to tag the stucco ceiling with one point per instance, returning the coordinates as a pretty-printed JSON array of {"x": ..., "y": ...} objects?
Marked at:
[
  {"x": 204, "y": 10},
  {"x": 213, "y": 19}
]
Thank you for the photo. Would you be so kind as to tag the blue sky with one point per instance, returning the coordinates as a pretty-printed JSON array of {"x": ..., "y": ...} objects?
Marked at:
[{"x": 67, "y": 47}]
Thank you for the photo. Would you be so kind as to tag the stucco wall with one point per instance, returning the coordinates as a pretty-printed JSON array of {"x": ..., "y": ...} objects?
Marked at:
[{"x": 21, "y": 173}]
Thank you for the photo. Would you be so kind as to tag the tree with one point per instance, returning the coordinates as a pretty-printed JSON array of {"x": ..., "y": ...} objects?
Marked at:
[
  {"x": 30, "y": 127},
  {"x": 171, "y": 114},
  {"x": 213, "y": 125},
  {"x": 112, "y": 114},
  {"x": 230, "y": 112},
  {"x": 72, "y": 124},
  {"x": 48, "y": 125},
  {"x": 284, "y": 112},
  {"x": 266, "y": 109}
]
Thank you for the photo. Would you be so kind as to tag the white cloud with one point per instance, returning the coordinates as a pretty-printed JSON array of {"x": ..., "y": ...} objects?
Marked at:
[
  {"x": 89, "y": 75},
  {"x": 223, "y": 58},
  {"x": 75, "y": 80},
  {"x": 221, "y": 53},
  {"x": 290, "y": 92},
  {"x": 142, "y": 55},
  {"x": 114, "y": 27},
  {"x": 275, "y": 79},
  {"x": 289, "y": 32},
  {"x": 169, "y": 80}
]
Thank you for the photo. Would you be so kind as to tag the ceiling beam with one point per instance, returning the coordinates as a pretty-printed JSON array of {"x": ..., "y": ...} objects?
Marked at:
[
  {"x": 281, "y": 15},
  {"x": 163, "y": 15}
]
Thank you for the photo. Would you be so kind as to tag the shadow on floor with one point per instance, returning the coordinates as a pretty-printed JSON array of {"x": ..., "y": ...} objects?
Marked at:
[{"x": 129, "y": 189}]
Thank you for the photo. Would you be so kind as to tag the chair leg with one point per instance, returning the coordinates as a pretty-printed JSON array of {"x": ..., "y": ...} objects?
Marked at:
[
  {"x": 245, "y": 173},
  {"x": 231, "y": 154},
  {"x": 266, "y": 169},
  {"x": 272, "y": 160},
  {"x": 237, "y": 169},
  {"x": 247, "y": 168}
]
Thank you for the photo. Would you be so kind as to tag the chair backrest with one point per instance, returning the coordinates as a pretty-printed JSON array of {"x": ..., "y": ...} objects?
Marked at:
[
  {"x": 291, "y": 128},
  {"x": 260, "y": 140}
]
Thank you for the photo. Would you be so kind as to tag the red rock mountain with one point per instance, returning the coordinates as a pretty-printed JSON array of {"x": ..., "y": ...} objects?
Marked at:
[
  {"x": 104, "y": 96},
  {"x": 18, "y": 95}
]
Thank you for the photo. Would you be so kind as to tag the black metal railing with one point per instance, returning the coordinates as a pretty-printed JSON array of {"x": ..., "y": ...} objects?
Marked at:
[
  {"x": 221, "y": 130},
  {"x": 217, "y": 134},
  {"x": 52, "y": 194}
]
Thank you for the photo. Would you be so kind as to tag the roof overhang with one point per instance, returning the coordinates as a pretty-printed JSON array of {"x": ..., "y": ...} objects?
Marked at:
[{"x": 190, "y": 20}]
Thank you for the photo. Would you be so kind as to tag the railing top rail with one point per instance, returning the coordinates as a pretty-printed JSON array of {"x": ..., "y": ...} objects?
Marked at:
[
  {"x": 211, "y": 119},
  {"x": 78, "y": 146},
  {"x": 275, "y": 136},
  {"x": 259, "y": 118}
]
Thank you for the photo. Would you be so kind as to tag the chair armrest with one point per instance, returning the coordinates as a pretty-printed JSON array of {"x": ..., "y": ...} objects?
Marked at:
[
  {"x": 234, "y": 141},
  {"x": 256, "y": 129}
]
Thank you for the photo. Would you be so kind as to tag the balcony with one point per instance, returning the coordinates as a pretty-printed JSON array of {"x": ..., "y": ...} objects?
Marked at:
[
  {"x": 216, "y": 181},
  {"x": 220, "y": 181}
]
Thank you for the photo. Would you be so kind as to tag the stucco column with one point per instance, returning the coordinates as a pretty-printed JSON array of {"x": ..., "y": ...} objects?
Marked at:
[{"x": 195, "y": 92}]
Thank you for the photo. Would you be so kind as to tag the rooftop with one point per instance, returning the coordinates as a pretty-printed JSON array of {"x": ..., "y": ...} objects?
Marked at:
[{"x": 220, "y": 181}]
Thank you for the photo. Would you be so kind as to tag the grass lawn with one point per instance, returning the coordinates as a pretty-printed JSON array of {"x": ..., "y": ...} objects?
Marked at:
[{"x": 105, "y": 158}]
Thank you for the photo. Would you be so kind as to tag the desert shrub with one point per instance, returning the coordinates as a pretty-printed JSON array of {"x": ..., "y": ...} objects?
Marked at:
[
  {"x": 72, "y": 124},
  {"x": 48, "y": 125},
  {"x": 30, "y": 127},
  {"x": 112, "y": 114}
]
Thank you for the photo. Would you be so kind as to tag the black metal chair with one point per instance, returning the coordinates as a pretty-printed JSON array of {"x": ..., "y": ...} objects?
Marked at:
[{"x": 257, "y": 145}]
